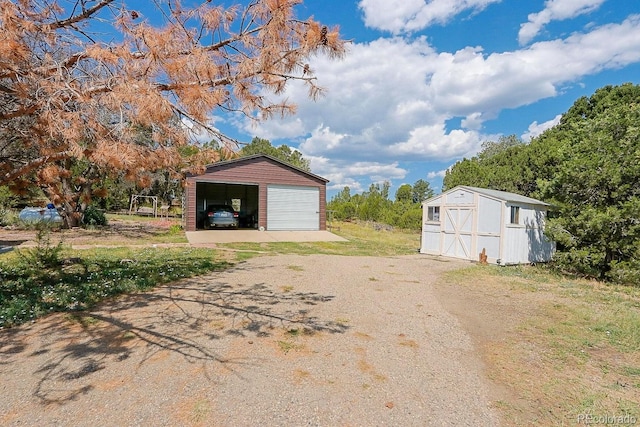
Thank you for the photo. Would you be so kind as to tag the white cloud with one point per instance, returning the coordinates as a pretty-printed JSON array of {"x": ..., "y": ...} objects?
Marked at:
[
  {"x": 432, "y": 142},
  {"x": 473, "y": 121},
  {"x": 437, "y": 174},
  {"x": 394, "y": 99},
  {"x": 469, "y": 81},
  {"x": 342, "y": 181},
  {"x": 555, "y": 10},
  {"x": 277, "y": 129},
  {"x": 536, "y": 128},
  {"x": 345, "y": 174},
  {"x": 368, "y": 102},
  {"x": 399, "y": 16},
  {"x": 375, "y": 169},
  {"x": 322, "y": 139}
]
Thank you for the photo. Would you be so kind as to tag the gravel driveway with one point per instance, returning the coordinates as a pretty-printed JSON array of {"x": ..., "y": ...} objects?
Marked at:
[{"x": 277, "y": 341}]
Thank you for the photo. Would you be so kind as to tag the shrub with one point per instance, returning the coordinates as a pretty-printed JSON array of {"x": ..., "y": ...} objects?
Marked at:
[
  {"x": 625, "y": 272},
  {"x": 7, "y": 201},
  {"x": 45, "y": 255},
  {"x": 175, "y": 229},
  {"x": 6, "y": 217},
  {"x": 411, "y": 219},
  {"x": 93, "y": 217}
]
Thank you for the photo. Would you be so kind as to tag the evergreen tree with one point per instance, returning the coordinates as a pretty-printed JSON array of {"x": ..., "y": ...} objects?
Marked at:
[
  {"x": 283, "y": 152},
  {"x": 421, "y": 191},
  {"x": 595, "y": 188}
]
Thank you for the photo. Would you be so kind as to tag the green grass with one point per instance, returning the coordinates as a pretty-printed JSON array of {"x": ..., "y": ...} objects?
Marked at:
[
  {"x": 288, "y": 345},
  {"x": 171, "y": 235},
  {"x": 362, "y": 240},
  {"x": 84, "y": 278},
  {"x": 593, "y": 312}
]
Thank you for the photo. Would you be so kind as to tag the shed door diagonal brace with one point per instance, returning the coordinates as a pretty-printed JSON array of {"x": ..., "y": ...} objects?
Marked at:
[{"x": 458, "y": 219}]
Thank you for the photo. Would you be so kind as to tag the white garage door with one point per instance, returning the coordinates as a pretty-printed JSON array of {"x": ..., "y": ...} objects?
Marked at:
[{"x": 293, "y": 208}]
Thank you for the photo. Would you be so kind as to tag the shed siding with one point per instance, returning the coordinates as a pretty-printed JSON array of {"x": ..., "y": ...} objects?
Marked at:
[
  {"x": 541, "y": 248},
  {"x": 489, "y": 218},
  {"x": 188, "y": 217},
  {"x": 431, "y": 238},
  {"x": 431, "y": 229},
  {"x": 436, "y": 201},
  {"x": 516, "y": 247},
  {"x": 491, "y": 245},
  {"x": 526, "y": 242},
  {"x": 489, "y": 227},
  {"x": 475, "y": 219},
  {"x": 259, "y": 171},
  {"x": 460, "y": 197}
]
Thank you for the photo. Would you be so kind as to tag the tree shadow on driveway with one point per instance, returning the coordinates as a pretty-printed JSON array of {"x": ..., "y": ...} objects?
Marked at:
[{"x": 188, "y": 322}]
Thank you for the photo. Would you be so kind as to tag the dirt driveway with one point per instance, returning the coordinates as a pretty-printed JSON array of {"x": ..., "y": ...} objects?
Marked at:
[{"x": 277, "y": 341}]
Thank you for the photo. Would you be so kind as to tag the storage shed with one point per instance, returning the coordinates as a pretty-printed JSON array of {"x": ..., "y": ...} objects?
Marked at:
[
  {"x": 267, "y": 192},
  {"x": 464, "y": 221}
]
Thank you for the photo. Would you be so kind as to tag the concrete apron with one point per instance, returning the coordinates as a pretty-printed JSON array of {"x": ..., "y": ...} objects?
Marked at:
[{"x": 207, "y": 237}]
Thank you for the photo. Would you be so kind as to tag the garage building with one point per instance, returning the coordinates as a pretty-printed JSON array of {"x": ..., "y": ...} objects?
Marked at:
[
  {"x": 464, "y": 221},
  {"x": 267, "y": 192}
]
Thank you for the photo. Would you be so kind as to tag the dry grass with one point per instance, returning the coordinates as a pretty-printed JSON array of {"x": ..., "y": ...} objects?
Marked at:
[
  {"x": 561, "y": 349},
  {"x": 363, "y": 240},
  {"x": 122, "y": 230}
]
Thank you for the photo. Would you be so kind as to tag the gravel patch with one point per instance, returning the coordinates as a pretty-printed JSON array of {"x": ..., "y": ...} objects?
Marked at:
[{"x": 283, "y": 340}]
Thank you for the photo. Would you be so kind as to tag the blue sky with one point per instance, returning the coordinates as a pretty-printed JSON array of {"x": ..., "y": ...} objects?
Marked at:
[{"x": 425, "y": 82}]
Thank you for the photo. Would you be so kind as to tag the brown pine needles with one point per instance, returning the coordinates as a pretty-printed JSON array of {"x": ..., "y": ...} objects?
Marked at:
[{"x": 78, "y": 105}]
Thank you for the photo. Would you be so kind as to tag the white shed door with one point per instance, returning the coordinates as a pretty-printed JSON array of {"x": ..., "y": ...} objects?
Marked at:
[
  {"x": 458, "y": 228},
  {"x": 293, "y": 208}
]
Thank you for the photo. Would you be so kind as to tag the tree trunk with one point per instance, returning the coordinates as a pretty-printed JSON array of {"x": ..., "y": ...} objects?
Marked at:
[
  {"x": 71, "y": 198},
  {"x": 606, "y": 267}
]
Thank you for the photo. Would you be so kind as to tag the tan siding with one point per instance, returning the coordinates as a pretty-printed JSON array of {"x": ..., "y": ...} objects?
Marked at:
[{"x": 259, "y": 171}]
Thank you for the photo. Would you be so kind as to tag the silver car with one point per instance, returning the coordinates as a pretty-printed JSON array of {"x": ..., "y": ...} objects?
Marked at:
[{"x": 221, "y": 216}]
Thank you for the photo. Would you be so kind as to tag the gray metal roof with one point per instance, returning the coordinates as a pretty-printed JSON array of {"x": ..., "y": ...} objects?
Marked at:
[{"x": 504, "y": 195}]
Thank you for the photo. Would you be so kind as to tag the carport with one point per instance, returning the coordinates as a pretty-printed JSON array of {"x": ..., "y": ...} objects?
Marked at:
[{"x": 268, "y": 193}]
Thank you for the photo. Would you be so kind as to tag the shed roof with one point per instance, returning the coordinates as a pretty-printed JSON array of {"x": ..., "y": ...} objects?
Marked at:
[
  {"x": 213, "y": 166},
  {"x": 501, "y": 195}
]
